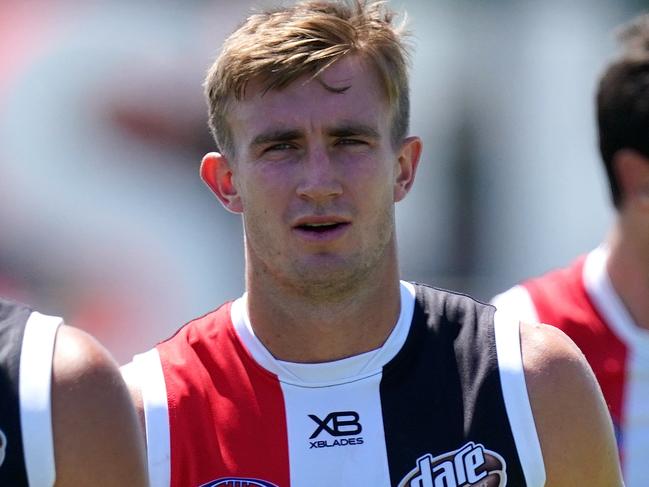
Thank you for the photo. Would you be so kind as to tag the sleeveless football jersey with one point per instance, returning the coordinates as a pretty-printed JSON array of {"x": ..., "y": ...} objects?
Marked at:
[
  {"x": 26, "y": 349},
  {"x": 581, "y": 301},
  {"x": 442, "y": 403}
]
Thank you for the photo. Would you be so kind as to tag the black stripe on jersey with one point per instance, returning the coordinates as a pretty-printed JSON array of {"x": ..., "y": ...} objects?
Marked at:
[
  {"x": 13, "y": 318},
  {"x": 442, "y": 390}
]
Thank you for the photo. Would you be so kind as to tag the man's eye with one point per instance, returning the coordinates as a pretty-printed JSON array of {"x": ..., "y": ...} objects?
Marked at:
[
  {"x": 279, "y": 147},
  {"x": 347, "y": 141}
]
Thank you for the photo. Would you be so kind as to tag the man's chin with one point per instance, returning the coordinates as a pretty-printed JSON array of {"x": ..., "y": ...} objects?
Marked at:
[
  {"x": 330, "y": 279},
  {"x": 323, "y": 268}
]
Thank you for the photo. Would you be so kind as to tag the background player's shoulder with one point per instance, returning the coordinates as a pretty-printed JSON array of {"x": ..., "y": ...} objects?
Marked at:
[
  {"x": 558, "y": 377},
  {"x": 13, "y": 312},
  {"x": 13, "y": 320},
  {"x": 9, "y": 305},
  {"x": 96, "y": 432},
  {"x": 557, "y": 297}
]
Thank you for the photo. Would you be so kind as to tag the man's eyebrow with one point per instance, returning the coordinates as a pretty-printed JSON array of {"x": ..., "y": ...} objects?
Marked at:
[
  {"x": 351, "y": 128},
  {"x": 279, "y": 135},
  {"x": 347, "y": 129}
]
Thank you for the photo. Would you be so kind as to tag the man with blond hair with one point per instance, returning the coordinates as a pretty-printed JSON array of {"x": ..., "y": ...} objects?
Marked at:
[
  {"x": 330, "y": 370},
  {"x": 601, "y": 300}
]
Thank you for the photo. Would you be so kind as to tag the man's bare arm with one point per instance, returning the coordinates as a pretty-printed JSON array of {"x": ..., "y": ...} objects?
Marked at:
[
  {"x": 572, "y": 420},
  {"x": 97, "y": 439}
]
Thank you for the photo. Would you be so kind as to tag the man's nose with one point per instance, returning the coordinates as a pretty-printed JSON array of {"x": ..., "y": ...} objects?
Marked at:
[{"x": 320, "y": 177}]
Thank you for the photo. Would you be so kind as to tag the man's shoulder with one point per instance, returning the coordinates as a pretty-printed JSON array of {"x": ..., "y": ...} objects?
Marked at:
[
  {"x": 13, "y": 319},
  {"x": 9, "y": 307},
  {"x": 426, "y": 293},
  {"x": 84, "y": 374},
  {"x": 13, "y": 315},
  {"x": 90, "y": 401},
  {"x": 178, "y": 348},
  {"x": 558, "y": 379},
  {"x": 559, "y": 281},
  {"x": 197, "y": 345},
  {"x": 453, "y": 314},
  {"x": 206, "y": 326},
  {"x": 556, "y": 297}
]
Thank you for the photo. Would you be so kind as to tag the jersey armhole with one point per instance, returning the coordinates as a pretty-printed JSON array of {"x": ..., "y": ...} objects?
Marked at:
[
  {"x": 150, "y": 378},
  {"x": 517, "y": 402},
  {"x": 34, "y": 392}
]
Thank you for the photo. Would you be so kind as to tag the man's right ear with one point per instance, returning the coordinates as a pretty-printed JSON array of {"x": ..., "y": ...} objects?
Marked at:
[{"x": 217, "y": 173}]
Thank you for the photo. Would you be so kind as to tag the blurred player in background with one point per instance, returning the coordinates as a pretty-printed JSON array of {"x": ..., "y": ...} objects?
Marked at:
[
  {"x": 66, "y": 418},
  {"x": 602, "y": 299},
  {"x": 329, "y": 370}
]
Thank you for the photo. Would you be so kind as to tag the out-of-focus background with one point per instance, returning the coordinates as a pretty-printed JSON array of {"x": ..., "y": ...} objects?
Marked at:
[{"x": 103, "y": 217}]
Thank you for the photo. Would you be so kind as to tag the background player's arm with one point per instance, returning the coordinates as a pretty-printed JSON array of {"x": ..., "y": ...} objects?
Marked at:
[
  {"x": 97, "y": 439},
  {"x": 572, "y": 420}
]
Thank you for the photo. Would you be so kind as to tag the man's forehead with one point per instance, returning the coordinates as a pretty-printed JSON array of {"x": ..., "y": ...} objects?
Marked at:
[
  {"x": 341, "y": 94},
  {"x": 347, "y": 73}
]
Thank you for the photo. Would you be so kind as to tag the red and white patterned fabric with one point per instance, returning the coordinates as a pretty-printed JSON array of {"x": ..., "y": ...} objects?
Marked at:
[
  {"x": 581, "y": 301},
  {"x": 442, "y": 402}
]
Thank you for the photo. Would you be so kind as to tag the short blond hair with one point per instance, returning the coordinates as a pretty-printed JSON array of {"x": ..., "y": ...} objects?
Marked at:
[{"x": 280, "y": 46}]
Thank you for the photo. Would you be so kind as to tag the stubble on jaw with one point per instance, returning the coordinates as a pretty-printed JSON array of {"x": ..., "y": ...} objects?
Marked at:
[{"x": 326, "y": 283}]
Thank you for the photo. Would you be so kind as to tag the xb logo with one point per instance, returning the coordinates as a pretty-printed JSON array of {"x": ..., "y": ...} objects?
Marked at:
[{"x": 340, "y": 423}]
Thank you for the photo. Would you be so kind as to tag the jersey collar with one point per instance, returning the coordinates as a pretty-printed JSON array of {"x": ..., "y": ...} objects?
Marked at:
[
  {"x": 326, "y": 373},
  {"x": 608, "y": 302}
]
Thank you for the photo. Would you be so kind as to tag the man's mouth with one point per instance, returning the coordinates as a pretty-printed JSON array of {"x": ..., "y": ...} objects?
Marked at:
[{"x": 321, "y": 227}]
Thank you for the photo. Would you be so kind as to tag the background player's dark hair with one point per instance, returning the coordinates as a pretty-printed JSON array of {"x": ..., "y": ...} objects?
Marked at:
[{"x": 623, "y": 99}]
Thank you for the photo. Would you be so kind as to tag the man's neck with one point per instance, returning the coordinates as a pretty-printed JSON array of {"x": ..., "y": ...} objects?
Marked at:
[
  {"x": 628, "y": 269},
  {"x": 297, "y": 328}
]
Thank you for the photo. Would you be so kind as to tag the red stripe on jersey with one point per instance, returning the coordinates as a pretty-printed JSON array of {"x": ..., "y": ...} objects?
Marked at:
[
  {"x": 226, "y": 413},
  {"x": 561, "y": 300}
]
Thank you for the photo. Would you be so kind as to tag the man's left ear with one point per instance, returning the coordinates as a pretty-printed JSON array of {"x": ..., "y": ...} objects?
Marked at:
[{"x": 406, "y": 167}]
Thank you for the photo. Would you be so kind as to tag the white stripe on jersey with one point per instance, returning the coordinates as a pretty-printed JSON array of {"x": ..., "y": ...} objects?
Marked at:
[
  {"x": 148, "y": 373},
  {"x": 351, "y": 407},
  {"x": 518, "y": 303},
  {"x": 343, "y": 397},
  {"x": 517, "y": 402},
  {"x": 635, "y": 414},
  {"x": 34, "y": 392}
]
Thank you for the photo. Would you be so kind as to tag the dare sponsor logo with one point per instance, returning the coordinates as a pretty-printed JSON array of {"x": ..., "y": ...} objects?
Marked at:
[
  {"x": 3, "y": 447},
  {"x": 470, "y": 466},
  {"x": 238, "y": 482},
  {"x": 343, "y": 428}
]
